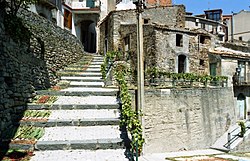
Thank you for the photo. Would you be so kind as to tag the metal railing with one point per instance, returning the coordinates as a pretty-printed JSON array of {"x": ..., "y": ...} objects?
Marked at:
[
  {"x": 233, "y": 135},
  {"x": 242, "y": 80}
]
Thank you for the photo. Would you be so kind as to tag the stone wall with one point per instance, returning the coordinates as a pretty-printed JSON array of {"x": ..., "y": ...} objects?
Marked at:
[
  {"x": 186, "y": 119},
  {"x": 32, "y": 51}
]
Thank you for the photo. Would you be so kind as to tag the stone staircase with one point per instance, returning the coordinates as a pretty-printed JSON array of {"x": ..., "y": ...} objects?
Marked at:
[
  {"x": 84, "y": 120},
  {"x": 231, "y": 139}
]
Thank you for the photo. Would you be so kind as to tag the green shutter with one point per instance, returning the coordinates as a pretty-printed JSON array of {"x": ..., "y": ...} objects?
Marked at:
[{"x": 213, "y": 69}]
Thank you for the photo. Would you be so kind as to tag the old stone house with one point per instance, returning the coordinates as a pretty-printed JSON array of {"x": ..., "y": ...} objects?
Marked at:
[
  {"x": 179, "y": 119},
  {"x": 167, "y": 43},
  {"x": 236, "y": 65}
]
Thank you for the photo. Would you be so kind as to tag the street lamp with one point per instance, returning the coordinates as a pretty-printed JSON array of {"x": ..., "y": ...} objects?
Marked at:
[{"x": 140, "y": 66}]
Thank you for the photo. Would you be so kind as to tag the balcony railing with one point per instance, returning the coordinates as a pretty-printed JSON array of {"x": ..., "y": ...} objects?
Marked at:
[
  {"x": 242, "y": 80},
  {"x": 82, "y": 4}
]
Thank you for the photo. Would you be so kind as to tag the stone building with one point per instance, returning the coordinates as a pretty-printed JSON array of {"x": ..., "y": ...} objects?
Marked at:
[
  {"x": 180, "y": 119},
  {"x": 236, "y": 65},
  {"x": 167, "y": 42}
]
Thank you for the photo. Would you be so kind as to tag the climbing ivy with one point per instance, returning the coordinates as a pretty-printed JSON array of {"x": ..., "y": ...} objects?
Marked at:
[
  {"x": 129, "y": 117},
  {"x": 109, "y": 58}
]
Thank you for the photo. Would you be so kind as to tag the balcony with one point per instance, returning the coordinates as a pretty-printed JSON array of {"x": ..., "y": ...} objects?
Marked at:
[
  {"x": 82, "y": 4},
  {"x": 241, "y": 80}
]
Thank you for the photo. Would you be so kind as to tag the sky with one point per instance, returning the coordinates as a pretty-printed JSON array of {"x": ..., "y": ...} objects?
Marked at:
[{"x": 228, "y": 6}]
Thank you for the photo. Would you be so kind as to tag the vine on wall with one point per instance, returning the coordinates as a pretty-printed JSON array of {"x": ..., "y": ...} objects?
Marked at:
[{"x": 129, "y": 117}]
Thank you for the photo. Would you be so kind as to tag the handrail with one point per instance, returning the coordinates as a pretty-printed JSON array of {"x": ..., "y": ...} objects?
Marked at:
[{"x": 230, "y": 139}]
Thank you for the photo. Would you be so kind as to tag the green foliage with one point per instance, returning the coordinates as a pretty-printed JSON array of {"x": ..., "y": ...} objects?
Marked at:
[
  {"x": 129, "y": 116},
  {"x": 29, "y": 132},
  {"x": 15, "y": 28},
  {"x": 37, "y": 113},
  {"x": 109, "y": 58},
  {"x": 157, "y": 73},
  {"x": 242, "y": 128}
]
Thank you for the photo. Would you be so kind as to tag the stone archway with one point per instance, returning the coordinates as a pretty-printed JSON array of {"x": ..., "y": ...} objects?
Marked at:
[{"x": 88, "y": 35}]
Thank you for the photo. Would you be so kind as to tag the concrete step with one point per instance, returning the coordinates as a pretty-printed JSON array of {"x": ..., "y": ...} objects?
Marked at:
[
  {"x": 81, "y": 155},
  {"x": 74, "y": 137},
  {"x": 70, "y": 122},
  {"x": 87, "y": 70},
  {"x": 82, "y": 79},
  {"x": 84, "y": 66},
  {"x": 81, "y": 91},
  {"x": 91, "y": 101},
  {"x": 86, "y": 84},
  {"x": 71, "y": 106},
  {"x": 87, "y": 117},
  {"x": 96, "y": 63},
  {"x": 88, "y": 91},
  {"x": 80, "y": 74}
]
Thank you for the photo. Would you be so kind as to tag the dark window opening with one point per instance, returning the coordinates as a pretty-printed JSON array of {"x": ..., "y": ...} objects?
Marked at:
[
  {"x": 179, "y": 40},
  {"x": 181, "y": 64},
  {"x": 240, "y": 38},
  {"x": 146, "y": 21},
  {"x": 202, "y": 62},
  {"x": 203, "y": 39}
]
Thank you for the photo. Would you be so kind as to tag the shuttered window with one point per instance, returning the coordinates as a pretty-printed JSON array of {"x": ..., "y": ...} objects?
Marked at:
[{"x": 67, "y": 19}]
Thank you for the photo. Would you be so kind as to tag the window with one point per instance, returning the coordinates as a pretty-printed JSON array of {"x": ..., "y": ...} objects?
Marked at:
[
  {"x": 146, "y": 21},
  {"x": 67, "y": 19},
  {"x": 202, "y": 62},
  {"x": 203, "y": 39},
  {"x": 240, "y": 38},
  {"x": 213, "y": 15},
  {"x": 127, "y": 43},
  {"x": 203, "y": 25},
  {"x": 179, "y": 40},
  {"x": 213, "y": 67}
]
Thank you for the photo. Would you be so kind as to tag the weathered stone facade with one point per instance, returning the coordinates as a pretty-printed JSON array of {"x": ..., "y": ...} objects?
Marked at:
[
  {"x": 186, "y": 119},
  {"x": 160, "y": 48},
  {"x": 171, "y": 16},
  {"x": 29, "y": 61}
]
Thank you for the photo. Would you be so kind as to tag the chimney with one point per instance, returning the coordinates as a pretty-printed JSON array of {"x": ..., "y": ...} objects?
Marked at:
[{"x": 154, "y": 3}]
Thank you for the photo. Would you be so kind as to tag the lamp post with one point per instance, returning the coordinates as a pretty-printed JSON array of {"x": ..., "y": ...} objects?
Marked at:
[{"x": 140, "y": 64}]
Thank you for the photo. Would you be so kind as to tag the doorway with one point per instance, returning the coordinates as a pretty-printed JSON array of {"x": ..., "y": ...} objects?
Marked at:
[
  {"x": 241, "y": 107},
  {"x": 182, "y": 63},
  {"x": 88, "y": 35}
]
